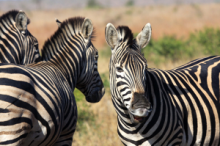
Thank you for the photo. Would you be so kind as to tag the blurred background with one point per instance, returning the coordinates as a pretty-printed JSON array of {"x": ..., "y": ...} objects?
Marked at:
[{"x": 183, "y": 30}]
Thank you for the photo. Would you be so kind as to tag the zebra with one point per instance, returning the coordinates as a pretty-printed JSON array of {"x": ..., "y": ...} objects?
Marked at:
[
  {"x": 17, "y": 45},
  {"x": 162, "y": 107},
  {"x": 37, "y": 102}
]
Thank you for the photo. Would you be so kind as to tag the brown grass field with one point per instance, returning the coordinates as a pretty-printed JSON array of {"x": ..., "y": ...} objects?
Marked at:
[{"x": 179, "y": 20}]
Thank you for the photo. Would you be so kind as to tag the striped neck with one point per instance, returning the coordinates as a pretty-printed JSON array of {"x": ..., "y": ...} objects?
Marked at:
[{"x": 66, "y": 49}]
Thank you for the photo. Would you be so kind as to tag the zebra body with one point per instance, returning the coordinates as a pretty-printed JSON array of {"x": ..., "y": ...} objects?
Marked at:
[
  {"x": 17, "y": 45},
  {"x": 37, "y": 102},
  {"x": 28, "y": 118},
  {"x": 185, "y": 101}
]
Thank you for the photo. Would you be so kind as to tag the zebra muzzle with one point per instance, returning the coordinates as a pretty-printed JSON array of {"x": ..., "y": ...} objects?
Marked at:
[
  {"x": 96, "y": 95},
  {"x": 140, "y": 112}
]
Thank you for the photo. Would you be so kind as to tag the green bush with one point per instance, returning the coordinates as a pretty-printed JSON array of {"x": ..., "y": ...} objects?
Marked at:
[
  {"x": 209, "y": 39},
  {"x": 205, "y": 42},
  {"x": 169, "y": 47}
]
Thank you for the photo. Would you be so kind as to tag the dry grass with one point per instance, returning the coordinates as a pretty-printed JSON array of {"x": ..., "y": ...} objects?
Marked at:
[
  {"x": 105, "y": 130},
  {"x": 177, "y": 19}
]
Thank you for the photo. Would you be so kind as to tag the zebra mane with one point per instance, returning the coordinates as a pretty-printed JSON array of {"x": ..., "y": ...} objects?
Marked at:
[
  {"x": 74, "y": 23},
  {"x": 126, "y": 34},
  {"x": 12, "y": 13}
]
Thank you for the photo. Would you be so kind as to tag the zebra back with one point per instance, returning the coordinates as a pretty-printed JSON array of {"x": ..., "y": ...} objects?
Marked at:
[{"x": 17, "y": 45}]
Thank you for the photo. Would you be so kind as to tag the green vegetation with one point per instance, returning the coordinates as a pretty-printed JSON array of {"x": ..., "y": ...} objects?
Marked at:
[
  {"x": 93, "y": 4},
  {"x": 169, "y": 48},
  {"x": 130, "y": 3},
  {"x": 85, "y": 116},
  {"x": 209, "y": 40},
  {"x": 105, "y": 79}
]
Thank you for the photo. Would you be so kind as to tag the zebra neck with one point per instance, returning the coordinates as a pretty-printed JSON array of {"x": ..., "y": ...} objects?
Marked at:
[
  {"x": 68, "y": 61},
  {"x": 163, "y": 107}
]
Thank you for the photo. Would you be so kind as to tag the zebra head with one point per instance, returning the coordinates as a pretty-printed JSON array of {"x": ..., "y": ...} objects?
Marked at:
[
  {"x": 29, "y": 44},
  {"x": 89, "y": 82},
  {"x": 127, "y": 70},
  {"x": 18, "y": 45}
]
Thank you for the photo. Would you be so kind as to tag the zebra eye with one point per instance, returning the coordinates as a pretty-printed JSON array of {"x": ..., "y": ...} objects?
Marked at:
[{"x": 119, "y": 69}]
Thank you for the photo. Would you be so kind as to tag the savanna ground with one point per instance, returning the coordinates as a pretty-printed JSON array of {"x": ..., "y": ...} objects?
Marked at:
[{"x": 180, "y": 33}]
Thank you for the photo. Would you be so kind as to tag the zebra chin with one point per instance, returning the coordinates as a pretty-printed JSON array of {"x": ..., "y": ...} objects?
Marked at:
[{"x": 96, "y": 96}]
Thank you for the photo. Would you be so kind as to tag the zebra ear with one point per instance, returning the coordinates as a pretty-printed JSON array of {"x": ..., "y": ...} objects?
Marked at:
[
  {"x": 21, "y": 21},
  {"x": 144, "y": 36},
  {"x": 111, "y": 35},
  {"x": 87, "y": 28},
  {"x": 58, "y": 22}
]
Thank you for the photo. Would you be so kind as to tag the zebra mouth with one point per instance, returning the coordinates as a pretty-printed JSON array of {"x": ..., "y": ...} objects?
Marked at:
[{"x": 139, "y": 119}]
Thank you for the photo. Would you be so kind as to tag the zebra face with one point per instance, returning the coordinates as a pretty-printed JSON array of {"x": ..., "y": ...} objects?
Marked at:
[
  {"x": 90, "y": 83},
  {"x": 130, "y": 84},
  {"x": 94, "y": 87},
  {"x": 127, "y": 70}
]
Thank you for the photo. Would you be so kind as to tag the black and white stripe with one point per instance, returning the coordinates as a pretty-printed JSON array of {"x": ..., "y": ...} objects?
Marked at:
[
  {"x": 17, "y": 45},
  {"x": 157, "y": 107},
  {"x": 37, "y": 105}
]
